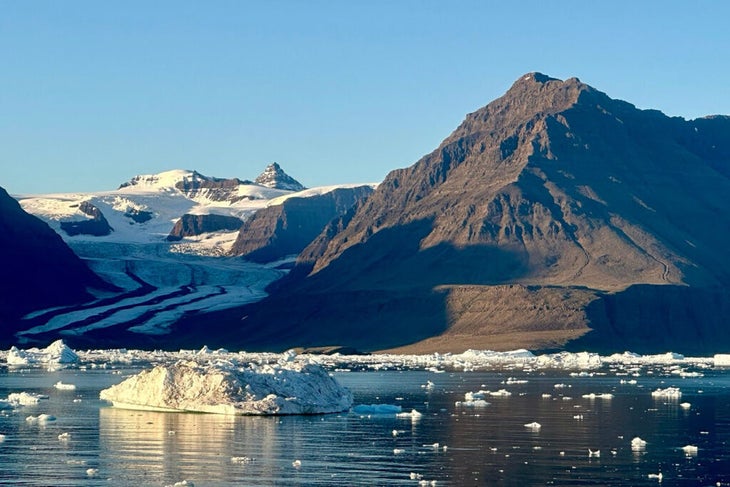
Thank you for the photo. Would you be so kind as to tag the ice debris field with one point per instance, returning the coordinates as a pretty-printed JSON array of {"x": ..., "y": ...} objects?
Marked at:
[{"x": 223, "y": 382}]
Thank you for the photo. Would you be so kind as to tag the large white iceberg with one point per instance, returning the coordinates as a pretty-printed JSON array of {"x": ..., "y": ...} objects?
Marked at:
[
  {"x": 224, "y": 388},
  {"x": 55, "y": 353}
]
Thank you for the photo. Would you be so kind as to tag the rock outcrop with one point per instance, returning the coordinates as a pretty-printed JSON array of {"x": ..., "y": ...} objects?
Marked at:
[
  {"x": 190, "y": 225},
  {"x": 96, "y": 225},
  {"x": 285, "y": 229},
  {"x": 553, "y": 215},
  {"x": 39, "y": 269}
]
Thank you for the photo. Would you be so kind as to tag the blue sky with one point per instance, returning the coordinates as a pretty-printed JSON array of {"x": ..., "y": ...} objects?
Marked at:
[{"x": 95, "y": 92}]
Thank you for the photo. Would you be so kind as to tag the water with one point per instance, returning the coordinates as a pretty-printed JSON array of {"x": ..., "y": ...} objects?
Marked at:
[{"x": 484, "y": 446}]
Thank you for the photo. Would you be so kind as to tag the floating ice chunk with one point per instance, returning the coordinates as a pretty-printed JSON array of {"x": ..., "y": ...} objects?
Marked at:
[
  {"x": 668, "y": 393},
  {"x": 472, "y": 396},
  {"x": 64, "y": 437},
  {"x": 477, "y": 403},
  {"x": 296, "y": 464},
  {"x": 500, "y": 393},
  {"x": 593, "y": 395},
  {"x": 182, "y": 483},
  {"x": 2, "y": 438},
  {"x": 690, "y": 450},
  {"x": 656, "y": 476},
  {"x": 722, "y": 360},
  {"x": 394, "y": 433},
  {"x": 56, "y": 353},
  {"x": 414, "y": 415},
  {"x": 637, "y": 444},
  {"x": 24, "y": 399},
  {"x": 546, "y": 396},
  {"x": 561, "y": 386},
  {"x": 92, "y": 472},
  {"x": 241, "y": 460},
  {"x": 41, "y": 418},
  {"x": 64, "y": 387},
  {"x": 685, "y": 405},
  {"x": 594, "y": 453},
  {"x": 272, "y": 389},
  {"x": 398, "y": 451},
  {"x": 513, "y": 380},
  {"x": 429, "y": 386},
  {"x": 416, "y": 476},
  {"x": 534, "y": 426},
  {"x": 376, "y": 409}
]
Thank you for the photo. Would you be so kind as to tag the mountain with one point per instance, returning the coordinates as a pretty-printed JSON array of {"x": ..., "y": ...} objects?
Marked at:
[
  {"x": 164, "y": 240},
  {"x": 285, "y": 228},
  {"x": 39, "y": 269},
  {"x": 275, "y": 177},
  {"x": 553, "y": 217}
]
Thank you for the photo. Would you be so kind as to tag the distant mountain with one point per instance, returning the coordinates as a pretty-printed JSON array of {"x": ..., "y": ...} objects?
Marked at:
[
  {"x": 553, "y": 217},
  {"x": 164, "y": 240},
  {"x": 285, "y": 228},
  {"x": 39, "y": 270},
  {"x": 275, "y": 177}
]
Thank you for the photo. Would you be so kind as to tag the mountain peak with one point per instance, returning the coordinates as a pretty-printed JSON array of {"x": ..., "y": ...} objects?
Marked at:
[{"x": 275, "y": 177}]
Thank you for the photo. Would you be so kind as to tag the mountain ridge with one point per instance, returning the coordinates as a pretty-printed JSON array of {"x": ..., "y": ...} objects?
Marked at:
[{"x": 553, "y": 188}]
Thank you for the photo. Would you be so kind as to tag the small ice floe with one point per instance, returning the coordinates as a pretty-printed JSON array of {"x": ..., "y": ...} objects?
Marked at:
[
  {"x": 2, "y": 438},
  {"x": 429, "y": 386},
  {"x": 722, "y": 360},
  {"x": 656, "y": 476},
  {"x": 241, "y": 460},
  {"x": 93, "y": 472},
  {"x": 413, "y": 415},
  {"x": 64, "y": 387},
  {"x": 546, "y": 396},
  {"x": 433, "y": 446},
  {"x": 375, "y": 409},
  {"x": 668, "y": 393},
  {"x": 630, "y": 382},
  {"x": 685, "y": 405},
  {"x": 594, "y": 453},
  {"x": 534, "y": 426},
  {"x": 41, "y": 418},
  {"x": 64, "y": 437},
  {"x": 398, "y": 451},
  {"x": 513, "y": 380},
  {"x": 561, "y": 386},
  {"x": 24, "y": 399},
  {"x": 182, "y": 483},
  {"x": 296, "y": 464},
  {"x": 593, "y": 395},
  {"x": 476, "y": 403},
  {"x": 77, "y": 400},
  {"x": 637, "y": 444},
  {"x": 690, "y": 450},
  {"x": 394, "y": 433},
  {"x": 500, "y": 393},
  {"x": 56, "y": 353},
  {"x": 426, "y": 483},
  {"x": 416, "y": 476},
  {"x": 579, "y": 417}
]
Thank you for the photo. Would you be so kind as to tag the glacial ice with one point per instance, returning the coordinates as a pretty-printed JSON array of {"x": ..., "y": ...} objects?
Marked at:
[
  {"x": 367, "y": 409},
  {"x": 224, "y": 388}
]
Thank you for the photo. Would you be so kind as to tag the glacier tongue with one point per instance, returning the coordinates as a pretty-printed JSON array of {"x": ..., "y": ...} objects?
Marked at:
[{"x": 225, "y": 388}]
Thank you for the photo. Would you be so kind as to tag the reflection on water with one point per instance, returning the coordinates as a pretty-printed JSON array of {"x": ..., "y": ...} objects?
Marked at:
[{"x": 453, "y": 445}]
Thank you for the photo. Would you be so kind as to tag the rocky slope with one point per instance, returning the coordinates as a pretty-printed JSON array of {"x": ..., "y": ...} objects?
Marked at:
[
  {"x": 552, "y": 212},
  {"x": 39, "y": 270},
  {"x": 286, "y": 228},
  {"x": 191, "y": 225}
]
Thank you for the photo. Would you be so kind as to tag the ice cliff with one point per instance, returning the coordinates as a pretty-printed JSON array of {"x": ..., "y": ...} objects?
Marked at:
[{"x": 224, "y": 388}]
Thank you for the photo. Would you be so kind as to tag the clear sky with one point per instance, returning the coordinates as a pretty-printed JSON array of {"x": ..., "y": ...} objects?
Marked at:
[{"x": 95, "y": 92}]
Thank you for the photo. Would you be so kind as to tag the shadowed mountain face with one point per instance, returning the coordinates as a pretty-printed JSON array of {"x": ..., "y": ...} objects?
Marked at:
[
  {"x": 551, "y": 212},
  {"x": 278, "y": 231},
  {"x": 190, "y": 225},
  {"x": 39, "y": 269}
]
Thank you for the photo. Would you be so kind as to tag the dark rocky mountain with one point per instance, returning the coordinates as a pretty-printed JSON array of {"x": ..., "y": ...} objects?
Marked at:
[
  {"x": 189, "y": 225},
  {"x": 554, "y": 217},
  {"x": 277, "y": 231},
  {"x": 275, "y": 177},
  {"x": 38, "y": 269},
  {"x": 97, "y": 225}
]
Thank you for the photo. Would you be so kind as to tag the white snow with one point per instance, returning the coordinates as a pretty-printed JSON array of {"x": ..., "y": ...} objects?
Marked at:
[
  {"x": 722, "y": 360},
  {"x": 224, "y": 388},
  {"x": 668, "y": 393}
]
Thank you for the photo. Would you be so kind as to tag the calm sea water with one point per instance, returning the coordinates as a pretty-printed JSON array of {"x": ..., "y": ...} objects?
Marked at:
[{"x": 476, "y": 446}]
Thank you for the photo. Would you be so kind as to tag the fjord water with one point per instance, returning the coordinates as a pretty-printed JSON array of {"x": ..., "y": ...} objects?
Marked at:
[{"x": 450, "y": 444}]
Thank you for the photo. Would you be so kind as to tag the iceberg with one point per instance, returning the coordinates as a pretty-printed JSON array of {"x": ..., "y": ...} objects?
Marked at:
[
  {"x": 56, "y": 353},
  {"x": 223, "y": 388}
]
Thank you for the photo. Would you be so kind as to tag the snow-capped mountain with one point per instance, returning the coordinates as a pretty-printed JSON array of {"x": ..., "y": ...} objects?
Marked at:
[{"x": 164, "y": 239}]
